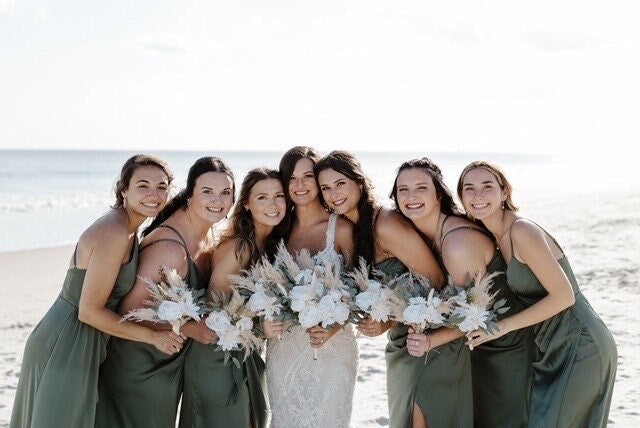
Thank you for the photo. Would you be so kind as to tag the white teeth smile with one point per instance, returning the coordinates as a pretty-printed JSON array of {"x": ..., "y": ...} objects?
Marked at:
[
  {"x": 479, "y": 206},
  {"x": 339, "y": 202},
  {"x": 150, "y": 205},
  {"x": 301, "y": 193},
  {"x": 272, "y": 214},
  {"x": 214, "y": 210},
  {"x": 414, "y": 206}
]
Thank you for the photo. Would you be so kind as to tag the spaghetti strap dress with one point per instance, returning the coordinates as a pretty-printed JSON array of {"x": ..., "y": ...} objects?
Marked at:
[
  {"x": 441, "y": 386},
  {"x": 216, "y": 394},
  {"x": 501, "y": 369},
  {"x": 575, "y": 364},
  {"x": 58, "y": 384},
  {"x": 139, "y": 385}
]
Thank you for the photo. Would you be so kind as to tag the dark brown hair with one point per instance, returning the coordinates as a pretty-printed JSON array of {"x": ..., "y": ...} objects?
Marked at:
[
  {"x": 201, "y": 166},
  {"x": 448, "y": 205},
  {"x": 286, "y": 167},
  {"x": 363, "y": 233}
]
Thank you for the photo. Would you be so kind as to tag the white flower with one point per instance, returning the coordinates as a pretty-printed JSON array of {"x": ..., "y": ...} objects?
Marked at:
[
  {"x": 310, "y": 316},
  {"x": 229, "y": 339},
  {"x": 300, "y": 295},
  {"x": 170, "y": 311},
  {"x": 244, "y": 324},
  {"x": 218, "y": 321},
  {"x": 262, "y": 304},
  {"x": 474, "y": 317}
]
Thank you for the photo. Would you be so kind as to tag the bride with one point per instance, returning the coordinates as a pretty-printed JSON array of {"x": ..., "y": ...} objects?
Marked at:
[{"x": 304, "y": 392}]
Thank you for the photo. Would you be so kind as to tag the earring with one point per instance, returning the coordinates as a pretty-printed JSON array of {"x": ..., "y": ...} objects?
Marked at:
[
  {"x": 189, "y": 202},
  {"x": 124, "y": 201},
  {"x": 502, "y": 205}
]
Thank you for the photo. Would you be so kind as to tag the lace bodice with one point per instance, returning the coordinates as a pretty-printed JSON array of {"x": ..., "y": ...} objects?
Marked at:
[{"x": 304, "y": 392}]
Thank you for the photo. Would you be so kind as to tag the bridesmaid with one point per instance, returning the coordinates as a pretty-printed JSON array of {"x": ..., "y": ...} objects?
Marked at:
[
  {"x": 575, "y": 363},
  {"x": 501, "y": 369},
  {"x": 389, "y": 242},
  {"x": 299, "y": 386},
  {"x": 58, "y": 384},
  {"x": 215, "y": 394},
  {"x": 138, "y": 385}
]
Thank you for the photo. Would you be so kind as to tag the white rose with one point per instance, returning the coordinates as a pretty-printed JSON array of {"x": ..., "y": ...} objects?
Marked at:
[
  {"x": 169, "y": 311},
  {"x": 244, "y": 324},
  {"x": 218, "y": 321}
]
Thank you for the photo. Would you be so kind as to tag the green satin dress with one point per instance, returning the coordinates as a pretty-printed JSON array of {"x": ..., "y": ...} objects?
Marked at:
[
  {"x": 58, "y": 386},
  {"x": 441, "y": 387},
  {"x": 501, "y": 369},
  {"x": 139, "y": 385},
  {"x": 575, "y": 364},
  {"x": 219, "y": 395}
]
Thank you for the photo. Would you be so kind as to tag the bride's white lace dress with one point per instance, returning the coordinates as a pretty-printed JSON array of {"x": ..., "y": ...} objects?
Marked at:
[{"x": 304, "y": 392}]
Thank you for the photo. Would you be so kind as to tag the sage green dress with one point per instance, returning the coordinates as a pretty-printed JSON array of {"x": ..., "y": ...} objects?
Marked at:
[
  {"x": 58, "y": 386},
  {"x": 441, "y": 387},
  {"x": 139, "y": 385},
  {"x": 219, "y": 395},
  {"x": 575, "y": 363},
  {"x": 501, "y": 369}
]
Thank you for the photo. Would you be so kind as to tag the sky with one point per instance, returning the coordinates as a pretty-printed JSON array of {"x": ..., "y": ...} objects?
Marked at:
[{"x": 482, "y": 76}]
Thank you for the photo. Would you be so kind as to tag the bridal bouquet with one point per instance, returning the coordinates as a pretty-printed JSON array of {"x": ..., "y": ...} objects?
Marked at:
[
  {"x": 318, "y": 294},
  {"x": 419, "y": 305},
  {"x": 170, "y": 300},
  {"x": 373, "y": 299},
  {"x": 475, "y": 306},
  {"x": 231, "y": 319},
  {"x": 267, "y": 289}
]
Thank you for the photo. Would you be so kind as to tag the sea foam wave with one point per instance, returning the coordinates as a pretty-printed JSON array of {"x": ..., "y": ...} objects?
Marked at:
[{"x": 30, "y": 203}]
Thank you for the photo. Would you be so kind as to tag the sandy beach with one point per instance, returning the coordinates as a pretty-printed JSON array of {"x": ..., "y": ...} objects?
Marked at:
[{"x": 34, "y": 278}]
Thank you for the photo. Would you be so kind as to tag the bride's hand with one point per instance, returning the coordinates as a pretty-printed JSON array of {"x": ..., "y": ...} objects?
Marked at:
[
  {"x": 272, "y": 328},
  {"x": 372, "y": 328},
  {"x": 320, "y": 335}
]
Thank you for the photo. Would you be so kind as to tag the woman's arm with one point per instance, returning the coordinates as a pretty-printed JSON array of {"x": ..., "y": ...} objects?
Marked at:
[
  {"x": 530, "y": 244},
  {"x": 465, "y": 254},
  {"x": 110, "y": 247},
  {"x": 398, "y": 237}
]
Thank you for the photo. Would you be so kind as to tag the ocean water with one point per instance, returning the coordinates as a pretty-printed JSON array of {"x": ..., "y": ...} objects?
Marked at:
[{"x": 48, "y": 198}]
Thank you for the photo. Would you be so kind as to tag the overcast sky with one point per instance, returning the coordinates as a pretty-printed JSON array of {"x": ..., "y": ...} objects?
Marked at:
[{"x": 543, "y": 76}]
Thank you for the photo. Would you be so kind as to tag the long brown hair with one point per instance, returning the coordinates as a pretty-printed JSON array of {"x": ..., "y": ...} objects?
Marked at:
[
  {"x": 363, "y": 233},
  {"x": 286, "y": 167},
  {"x": 241, "y": 221}
]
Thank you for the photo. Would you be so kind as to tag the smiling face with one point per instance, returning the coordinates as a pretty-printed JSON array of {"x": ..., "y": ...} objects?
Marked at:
[
  {"x": 147, "y": 192},
  {"x": 267, "y": 203},
  {"x": 303, "y": 188},
  {"x": 416, "y": 194},
  {"x": 482, "y": 195},
  {"x": 341, "y": 193},
  {"x": 212, "y": 197}
]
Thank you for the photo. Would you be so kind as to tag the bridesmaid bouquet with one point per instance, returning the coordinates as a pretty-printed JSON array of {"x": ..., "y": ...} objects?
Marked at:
[
  {"x": 373, "y": 298},
  {"x": 419, "y": 305},
  {"x": 267, "y": 289},
  {"x": 475, "y": 306},
  {"x": 170, "y": 301},
  {"x": 231, "y": 319}
]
